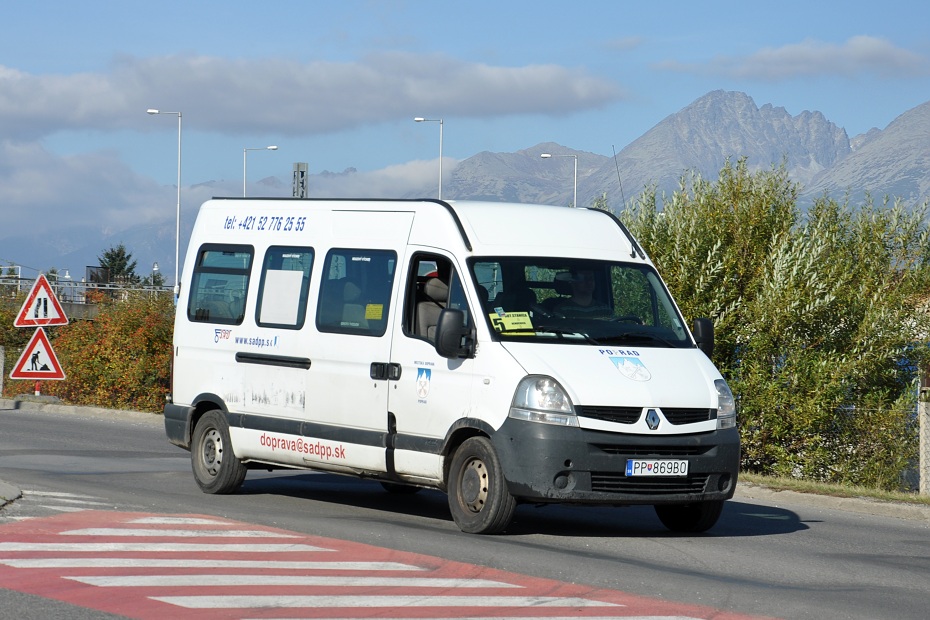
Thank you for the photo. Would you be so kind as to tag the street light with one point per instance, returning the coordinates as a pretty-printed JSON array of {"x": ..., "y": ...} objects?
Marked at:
[
  {"x": 177, "y": 224},
  {"x": 575, "y": 199},
  {"x": 420, "y": 119},
  {"x": 244, "y": 152}
]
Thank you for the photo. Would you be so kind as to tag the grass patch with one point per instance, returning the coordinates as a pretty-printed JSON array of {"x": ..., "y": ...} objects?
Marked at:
[{"x": 833, "y": 490}]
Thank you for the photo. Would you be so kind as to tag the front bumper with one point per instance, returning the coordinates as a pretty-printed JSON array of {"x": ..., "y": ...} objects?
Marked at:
[{"x": 547, "y": 463}]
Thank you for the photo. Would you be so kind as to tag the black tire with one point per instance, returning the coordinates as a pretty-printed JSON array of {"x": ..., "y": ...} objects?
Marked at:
[
  {"x": 478, "y": 496},
  {"x": 690, "y": 518},
  {"x": 216, "y": 468},
  {"x": 396, "y": 488}
]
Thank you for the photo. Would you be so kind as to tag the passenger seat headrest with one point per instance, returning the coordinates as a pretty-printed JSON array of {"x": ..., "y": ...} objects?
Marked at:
[{"x": 437, "y": 290}]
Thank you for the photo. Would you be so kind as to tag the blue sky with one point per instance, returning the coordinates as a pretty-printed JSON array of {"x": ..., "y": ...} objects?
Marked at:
[{"x": 337, "y": 85}]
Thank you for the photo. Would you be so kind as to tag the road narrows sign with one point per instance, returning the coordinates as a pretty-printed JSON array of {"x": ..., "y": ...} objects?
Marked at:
[{"x": 41, "y": 307}]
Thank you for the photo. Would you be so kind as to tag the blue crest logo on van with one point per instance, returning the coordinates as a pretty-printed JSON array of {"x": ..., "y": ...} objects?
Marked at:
[
  {"x": 632, "y": 368},
  {"x": 652, "y": 420},
  {"x": 423, "y": 379}
]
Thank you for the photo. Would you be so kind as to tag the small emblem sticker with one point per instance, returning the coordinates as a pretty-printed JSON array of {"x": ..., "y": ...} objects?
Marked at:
[
  {"x": 632, "y": 368},
  {"x": 423, "y": 381}
]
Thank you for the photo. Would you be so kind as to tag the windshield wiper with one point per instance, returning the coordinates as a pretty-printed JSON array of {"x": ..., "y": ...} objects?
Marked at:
[{"x": 561, "y": 333}]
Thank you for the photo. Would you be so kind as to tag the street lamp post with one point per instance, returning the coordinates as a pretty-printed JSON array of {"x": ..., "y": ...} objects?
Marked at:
[
  {"x": 244, "y": 153},
  {"x": 420, "y": 119},
  {"x": 177, "y": 221},
  {"x": 575, "y": 157}
]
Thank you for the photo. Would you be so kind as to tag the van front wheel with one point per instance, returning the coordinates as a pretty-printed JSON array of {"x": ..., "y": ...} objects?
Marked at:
[
  {"x": 478, "y": 497},
  {"x": 691, "y": 518},
  {"x": 216, "y": 468}
]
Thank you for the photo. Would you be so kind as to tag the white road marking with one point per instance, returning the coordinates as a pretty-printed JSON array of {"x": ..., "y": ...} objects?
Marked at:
[
  {"x": 119, "y": 531},
  {"x": 316, "y": 602},
  {"x": 210, "y": 580},
  {"x": 198, "y": 563},
  {"x": 103, "y": 547}
]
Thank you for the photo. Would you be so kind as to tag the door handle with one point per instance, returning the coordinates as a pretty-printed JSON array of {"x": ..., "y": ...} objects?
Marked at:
[{"x": 384, "y": 371}]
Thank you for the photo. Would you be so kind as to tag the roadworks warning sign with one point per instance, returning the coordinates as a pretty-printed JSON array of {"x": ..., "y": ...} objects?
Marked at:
[{"x": 38, "y": 360}]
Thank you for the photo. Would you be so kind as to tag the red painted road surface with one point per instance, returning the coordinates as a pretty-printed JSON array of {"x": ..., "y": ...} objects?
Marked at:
[{"x": 193, "y": 566}]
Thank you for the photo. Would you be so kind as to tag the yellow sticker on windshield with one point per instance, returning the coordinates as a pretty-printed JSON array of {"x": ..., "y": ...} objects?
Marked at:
[
  {"x": 511, "y": 321},
  {"x": 374, "y": 312}
]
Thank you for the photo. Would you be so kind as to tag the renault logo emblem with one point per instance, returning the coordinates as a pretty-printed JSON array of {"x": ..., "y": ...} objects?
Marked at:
[{"x": 652, "y": 420}]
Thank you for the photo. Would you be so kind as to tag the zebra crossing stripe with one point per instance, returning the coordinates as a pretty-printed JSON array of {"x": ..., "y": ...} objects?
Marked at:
[
  {"x": 213, "y": 580},
  {"x": 393, "y": 601},
  {"x": 104, "y": 547},
  {"x": 174, "y": 533},
  {"x": 83, "y": 562}
]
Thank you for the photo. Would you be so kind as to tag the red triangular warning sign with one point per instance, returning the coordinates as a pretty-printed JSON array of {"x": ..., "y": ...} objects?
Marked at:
[
  {"x": 38, "y": 361},
  {"x": 41, "y": 307}
]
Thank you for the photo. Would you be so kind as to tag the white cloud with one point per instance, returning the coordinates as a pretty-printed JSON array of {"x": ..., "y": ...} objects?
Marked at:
[
  {"x": 273, "y": 95},
  {"x": 42, "y": 191},
  {"x": 391, "y": 182},
  {"x": 811, "y": 58}
]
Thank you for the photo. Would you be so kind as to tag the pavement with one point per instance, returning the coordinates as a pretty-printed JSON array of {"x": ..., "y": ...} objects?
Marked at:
[{"x": 744, "y": 490}]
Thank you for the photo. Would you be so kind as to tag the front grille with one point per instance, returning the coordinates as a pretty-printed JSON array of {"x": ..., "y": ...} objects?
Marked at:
[
  {"x": 631, "y": 415},
  {"x": 615, "y": 482},
  {"x": 675, "y": 451},
  {"x": 684, "y": 415},
  {"x": 620, "y": 415}
]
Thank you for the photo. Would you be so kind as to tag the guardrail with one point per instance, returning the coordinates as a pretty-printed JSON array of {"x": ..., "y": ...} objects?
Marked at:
[{"x": 70, "y": 292}]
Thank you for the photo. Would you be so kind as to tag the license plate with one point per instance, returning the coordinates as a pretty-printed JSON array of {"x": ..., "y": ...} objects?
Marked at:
[{"x": 656, "y": 467}]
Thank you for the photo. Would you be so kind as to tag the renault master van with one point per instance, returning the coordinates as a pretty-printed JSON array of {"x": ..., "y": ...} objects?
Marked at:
[{"x": 502, "y": 353}]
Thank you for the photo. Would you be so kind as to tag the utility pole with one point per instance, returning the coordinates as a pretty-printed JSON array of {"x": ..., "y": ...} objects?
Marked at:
[{"x": 923, "y": 414}]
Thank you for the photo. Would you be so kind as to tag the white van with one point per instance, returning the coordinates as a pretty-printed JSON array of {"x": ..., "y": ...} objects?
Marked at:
[{"x": 503, "y": 353}]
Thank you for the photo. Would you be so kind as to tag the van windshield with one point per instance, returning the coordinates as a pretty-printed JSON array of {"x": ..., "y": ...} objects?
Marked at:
[{"x": 577, "y": 301}]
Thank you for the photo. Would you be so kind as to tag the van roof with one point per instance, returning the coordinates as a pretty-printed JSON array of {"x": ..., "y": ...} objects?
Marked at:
[
  {"x": 485, "y": 228},
  {"x": 512, "y": 228}
]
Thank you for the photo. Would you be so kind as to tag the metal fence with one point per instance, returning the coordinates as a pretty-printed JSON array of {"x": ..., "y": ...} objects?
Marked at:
[{"x": 69, "y": 291}]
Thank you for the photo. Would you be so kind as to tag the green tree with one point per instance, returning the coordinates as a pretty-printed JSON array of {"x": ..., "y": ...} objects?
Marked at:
[
  {"x": 120, "y": 265},
  {"x": 819, "y": 316}
]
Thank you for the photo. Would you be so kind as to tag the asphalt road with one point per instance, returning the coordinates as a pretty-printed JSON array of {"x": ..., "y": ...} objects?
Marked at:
[{"x": 778, "y": 554}]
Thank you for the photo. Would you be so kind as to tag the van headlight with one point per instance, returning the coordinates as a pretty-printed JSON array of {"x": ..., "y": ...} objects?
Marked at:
[
  {"x": 542, "y": 399},
  {"x": 726, "y": 405}
]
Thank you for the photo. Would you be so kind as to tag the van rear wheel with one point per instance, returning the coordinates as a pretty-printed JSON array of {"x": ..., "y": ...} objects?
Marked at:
[
  {"x": 478, "y": 496},
  {"x": 216, "y": 468},
  {"x": 691, "y": 518}
]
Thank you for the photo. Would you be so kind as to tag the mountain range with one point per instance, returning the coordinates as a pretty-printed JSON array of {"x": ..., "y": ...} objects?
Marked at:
[{"x": 818, "y": 154}]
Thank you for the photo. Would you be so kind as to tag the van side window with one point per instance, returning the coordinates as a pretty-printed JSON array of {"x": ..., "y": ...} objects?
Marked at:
[
  {"x": 433, "y": 285},
  {"x": 355, "y": 293},
  {"x": 220, "y": 283},
  {"x": 282, "y": 293}
]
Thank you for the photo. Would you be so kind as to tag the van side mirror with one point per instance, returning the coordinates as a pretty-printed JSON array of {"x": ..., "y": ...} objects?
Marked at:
[
  {"x": 704, "y": 335},
  {"x": 453, "y": 338}
]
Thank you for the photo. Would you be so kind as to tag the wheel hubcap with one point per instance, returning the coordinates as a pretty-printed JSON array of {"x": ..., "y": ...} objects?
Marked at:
[
  {"x": 212, "y": 452},
  {"x": 474, "y": 486}
]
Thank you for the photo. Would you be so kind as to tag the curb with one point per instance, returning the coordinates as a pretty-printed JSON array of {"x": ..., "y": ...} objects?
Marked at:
[{"x": 862, "y": 505}]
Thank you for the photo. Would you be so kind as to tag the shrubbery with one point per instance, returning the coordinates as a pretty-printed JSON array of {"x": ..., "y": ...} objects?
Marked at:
[
  {"x": 120, "y": 360},
  {"x": 821, "y": 318}
]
